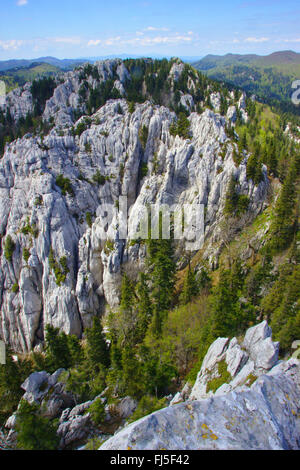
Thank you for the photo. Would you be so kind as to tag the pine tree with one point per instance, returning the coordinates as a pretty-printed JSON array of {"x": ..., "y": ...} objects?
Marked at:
[
  {"x": 12, "y": 375},
  {"x": 163, "y": 280},
  {"x": 232, "y": 197},
  {"x": 75, "y": 349},
  {"x": 254, "y": 169},
  {"x": 190, "y": 287},
  {"x": 34, "y": 432},
  {"x": 96, "y": 348},
  {"x": 57, "y": 349},
  {"x": 144, "y": 306},
  {"x": 284, "y": 222}
]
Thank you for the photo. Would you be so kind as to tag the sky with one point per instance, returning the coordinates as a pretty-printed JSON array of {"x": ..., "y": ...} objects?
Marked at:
[{"x": 183, "y": 28}]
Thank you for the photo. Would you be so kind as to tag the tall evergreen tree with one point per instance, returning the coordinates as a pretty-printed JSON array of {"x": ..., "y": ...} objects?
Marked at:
[
  {"x": 96, "y": 348},
  {"x": 144, "y": 306},
  {"x": 57, "y": 349},
  {"x": 190, "y": 287},
  {"x": 35, "y": 432},
  {"x": 283, "y": 226},
  {"x": 163, "y": 279}
]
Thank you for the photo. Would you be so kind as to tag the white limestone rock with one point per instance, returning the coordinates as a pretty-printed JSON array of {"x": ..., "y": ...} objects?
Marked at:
[
  {"x": 187, "y": 102},
  {"x": 187, "y": 172},
  {"x": 231, "y": 114},
  {"x": 257, "y": 355},
  {"x": 215, "y": 99},
  {"x": 256, "y": 334},
  {"x": 176, "y": 70},
  {"x": 215, "y": 354},
  {"x": 263, "y": 417},
  {"x": 35, "y": 386},
  {"x": 235, "y": 358},
  {"x": 74, "y": 430}
]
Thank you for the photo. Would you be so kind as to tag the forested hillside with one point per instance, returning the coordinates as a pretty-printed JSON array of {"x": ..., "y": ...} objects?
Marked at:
[{"x": 268, "y": 77}]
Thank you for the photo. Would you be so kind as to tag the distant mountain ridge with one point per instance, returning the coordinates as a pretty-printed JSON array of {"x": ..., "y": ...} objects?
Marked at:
[
  {"x": 60, "y": 63},
  {"x": 71, "y": 63},
  {"x": 276, "y": 58},
  {"x": 269, "y": 77}
]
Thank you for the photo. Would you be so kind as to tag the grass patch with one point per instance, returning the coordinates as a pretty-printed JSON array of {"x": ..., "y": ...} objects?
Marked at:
[{"x": 224, "y": 377}]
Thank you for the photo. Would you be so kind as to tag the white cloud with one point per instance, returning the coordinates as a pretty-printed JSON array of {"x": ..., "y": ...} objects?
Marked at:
[
  {"x": 94, "y": 42},
  {"x": 70, "y": 40},
  {"x": 143, "y": 40},
  {"x": 21, "y": 3},
  {"x": 13, "y": 44},
  {"x": 290, "y": 40},
  {"x": 153, "y": 28},
  {"x": 255, "y": 40}
]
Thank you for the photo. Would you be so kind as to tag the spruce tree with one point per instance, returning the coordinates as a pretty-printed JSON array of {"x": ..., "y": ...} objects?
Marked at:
[
  {"x": 284, "y": 222},
  {"x": 144, "y": 306},
  {"x": 232, "y": 197},
  {"x": 96, "y": 348},
  {"x": 57, "y": 349},
  {"x": 190, "y": 287},
  {"x": 163, "y": 280},
  {"x": 34, "y": 432}
]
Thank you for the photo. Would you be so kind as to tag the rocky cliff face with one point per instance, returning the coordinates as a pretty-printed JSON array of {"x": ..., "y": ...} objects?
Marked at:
[
  {"x": 55, "y": 191},
  {"x": 239, "y": 415}
]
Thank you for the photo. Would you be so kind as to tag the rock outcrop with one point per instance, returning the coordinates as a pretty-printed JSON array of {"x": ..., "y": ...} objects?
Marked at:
[
  {"x": 60, "y": 199},
  {"x": 254, "y": 357},
  {"x": 76, "y": 425},
  {"x": 264, "y": 415}
]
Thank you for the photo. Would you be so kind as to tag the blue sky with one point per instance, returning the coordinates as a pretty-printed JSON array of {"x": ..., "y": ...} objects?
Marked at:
[{"x": 89, "y": 28}]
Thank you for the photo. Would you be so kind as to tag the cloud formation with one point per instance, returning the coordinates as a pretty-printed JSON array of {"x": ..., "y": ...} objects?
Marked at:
[
  {"x": 21, "y": 3},
  {"x": 11, "y": 45},
  {"x": 256, "y": 40},
  {"x": 144, "y": 40}
]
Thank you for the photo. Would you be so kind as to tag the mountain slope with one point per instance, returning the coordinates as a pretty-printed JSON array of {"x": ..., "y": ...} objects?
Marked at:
[
  {"x": 54, "y": 187},
  {"x": 276, "y": 58},
  {"x": 269, "y": 77}
]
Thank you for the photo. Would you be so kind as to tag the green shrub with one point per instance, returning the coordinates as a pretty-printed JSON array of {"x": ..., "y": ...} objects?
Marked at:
[
  {"x": 109, "y": 246},
  {"x": 224, "y": 377},
  {"x": 122, "y": 170},
  {"x": 146, "y": 406},
  {"x": 65, "y": 185},
  {"x": 98, "y": 178},
  {"x": 9, "y": 248},
  {"x": 88, "y": 147},
  {"x": 30, "y": 229},
  {"x": 235, "y": 203},
  {"x": 35, "y": 432},
  {"x": 144, "y": 170},
  {"x": 60, "y": 268},
  {"x": 38, "y": 201},
  {"x": 143, "y": 135},
  {"x": 26, "y": 254},
  {"x": 97, "y": 411},
  {"x": 181, "y": 128},
  {"x": 80, "y": 128},
  {"x": 88, "y": 218},
  {"x": 15, "y": 288},
  {"x": 131, "y": 107},
  {"x": 94, "y": 443}
]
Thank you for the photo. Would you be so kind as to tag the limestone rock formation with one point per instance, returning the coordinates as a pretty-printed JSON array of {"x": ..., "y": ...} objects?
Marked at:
[
  {"x": 57, "y": 190},
  {"x": 255, "y": 356},
  {"x": 242, "y": 416}
]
